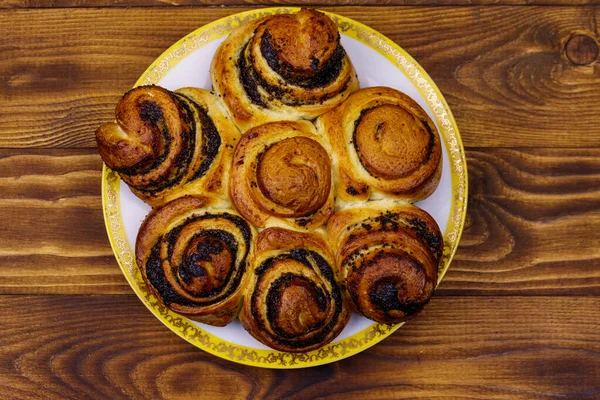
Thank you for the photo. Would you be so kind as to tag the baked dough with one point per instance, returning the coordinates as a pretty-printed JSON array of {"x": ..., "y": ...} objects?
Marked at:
[
  {"x": 282, "y": 67},
  {"x": 281, "y": 175},
  {"x": 293, "y": 302},
  {"x": 193, "y": 254},
  {"x": 387, "y": 255},
  {"x": 167, "y": 144},
  {"x": 384, "y": 146}
]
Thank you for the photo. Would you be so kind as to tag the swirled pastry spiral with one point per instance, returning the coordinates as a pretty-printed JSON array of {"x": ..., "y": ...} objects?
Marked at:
[
  {"x": 281, "y": 174},
  {"x": 293, "y": 302},
  {"x": 166, "y": 144},
  {"x": 384, "y": 145},
  {"x": 282, "y": 67},
  {"x": 193, "y": 257},
  {"x": 388, "y": 257}
]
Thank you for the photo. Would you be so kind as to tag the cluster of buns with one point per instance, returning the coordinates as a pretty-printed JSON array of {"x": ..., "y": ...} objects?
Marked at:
[{"x": 284, "y": 196}]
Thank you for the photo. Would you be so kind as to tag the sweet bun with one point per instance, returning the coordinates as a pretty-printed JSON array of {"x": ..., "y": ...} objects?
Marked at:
[
  {"x": 387, "y": 255},
  {"x": 284, "y": 196},
  {"x": 384, "y": 145},
  {"x": 166, "y": 144},
  {"x": 293, "y": 302},
  {"x": 193, "y": 256},
  {"x": 282, "y": 67},
  {"x": 281, "y": 175}
]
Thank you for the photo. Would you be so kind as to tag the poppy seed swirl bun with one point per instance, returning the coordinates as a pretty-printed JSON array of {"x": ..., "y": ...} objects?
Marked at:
[
  {"x": 193, "y": 254},
  {"x": 282, "y": 67},
  {"x": 167, "y": 144},
  {"x": 384, "y": 146},
  {"x": 293, "y": 302},
  {"x": 281, "y": 175},
  {"x": 387, "y": 255}
]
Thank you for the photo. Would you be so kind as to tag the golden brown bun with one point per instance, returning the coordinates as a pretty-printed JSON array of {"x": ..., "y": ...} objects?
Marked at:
[
  {"x": 293, "y": 302},
  {"x": 193, "y": 257},
  {"x": 387, "y": 255},
  {"x": 166, "y": 144},
  {"x": 282, "y": 67},
  {"x": 281, "y": 175},
  {"x": 384, "y": 145}
]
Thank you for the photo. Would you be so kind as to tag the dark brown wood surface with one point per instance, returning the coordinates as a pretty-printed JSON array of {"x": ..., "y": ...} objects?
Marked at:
[
  {"x": 462, "y": 347},
  {"x": 503, "y": 69},
  {"x": 271, "y": 3},
  {"x": 518, "y": 314}
]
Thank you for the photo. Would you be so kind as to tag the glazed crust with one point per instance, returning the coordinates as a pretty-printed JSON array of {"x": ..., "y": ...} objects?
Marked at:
[
  {"x": 193, "y": 256},
  {"x": 293, "y": 302},
  {"x": 387, "y": 256},
  {"x": 384, "y": 146},
  {"x": 166, "y": 144},
  {"x": 281, "y": 175},
  {"x": 282, "y": 67}
]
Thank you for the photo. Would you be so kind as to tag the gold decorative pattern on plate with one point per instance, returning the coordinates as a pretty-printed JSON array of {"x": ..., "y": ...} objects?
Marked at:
[{"x": 338, "y": 349}]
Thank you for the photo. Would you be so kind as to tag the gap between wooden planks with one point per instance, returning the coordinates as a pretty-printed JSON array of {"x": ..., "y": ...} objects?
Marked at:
[{"x": 530, "y": 228}]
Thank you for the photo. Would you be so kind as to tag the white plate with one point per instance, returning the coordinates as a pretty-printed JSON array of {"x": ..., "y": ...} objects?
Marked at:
[{"x": 378, "y": 62}]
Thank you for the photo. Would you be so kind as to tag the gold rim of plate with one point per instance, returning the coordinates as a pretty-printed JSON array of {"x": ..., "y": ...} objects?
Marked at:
[{"x": 336, "y": 350}]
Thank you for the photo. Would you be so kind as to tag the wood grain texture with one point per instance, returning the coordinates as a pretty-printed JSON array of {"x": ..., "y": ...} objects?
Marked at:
[
  {"x": 517, "y": 315},
  {"x": 532, "y": 216},
  {"x": 102, "y": 347},
  {"x": 166, "y": 3},
  {"x": 530, "y": 228},
  {"x": 502, "y": 69},
  {"x": 53, "y": 238}
]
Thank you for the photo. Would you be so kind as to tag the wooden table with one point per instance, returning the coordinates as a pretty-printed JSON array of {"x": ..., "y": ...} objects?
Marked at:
[{"x": 518, "y": 315}]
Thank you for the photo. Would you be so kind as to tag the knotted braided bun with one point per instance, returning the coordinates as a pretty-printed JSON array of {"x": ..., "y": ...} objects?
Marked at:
[{"x": 283, "y": 67}]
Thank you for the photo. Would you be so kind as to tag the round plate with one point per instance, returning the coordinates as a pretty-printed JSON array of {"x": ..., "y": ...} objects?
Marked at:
[{"x": 378, "y": 61}]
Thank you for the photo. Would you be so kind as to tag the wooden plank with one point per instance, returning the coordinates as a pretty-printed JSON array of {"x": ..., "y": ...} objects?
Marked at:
[
  {"x": 531, "y": 218},
  {"x": 53, "y": 238},
  {"x": 168, "y": 3},
  {"x": 503, "y": 70},
  {"x": 102, "y": 347},
  {"x": 530, "y": 229}
]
